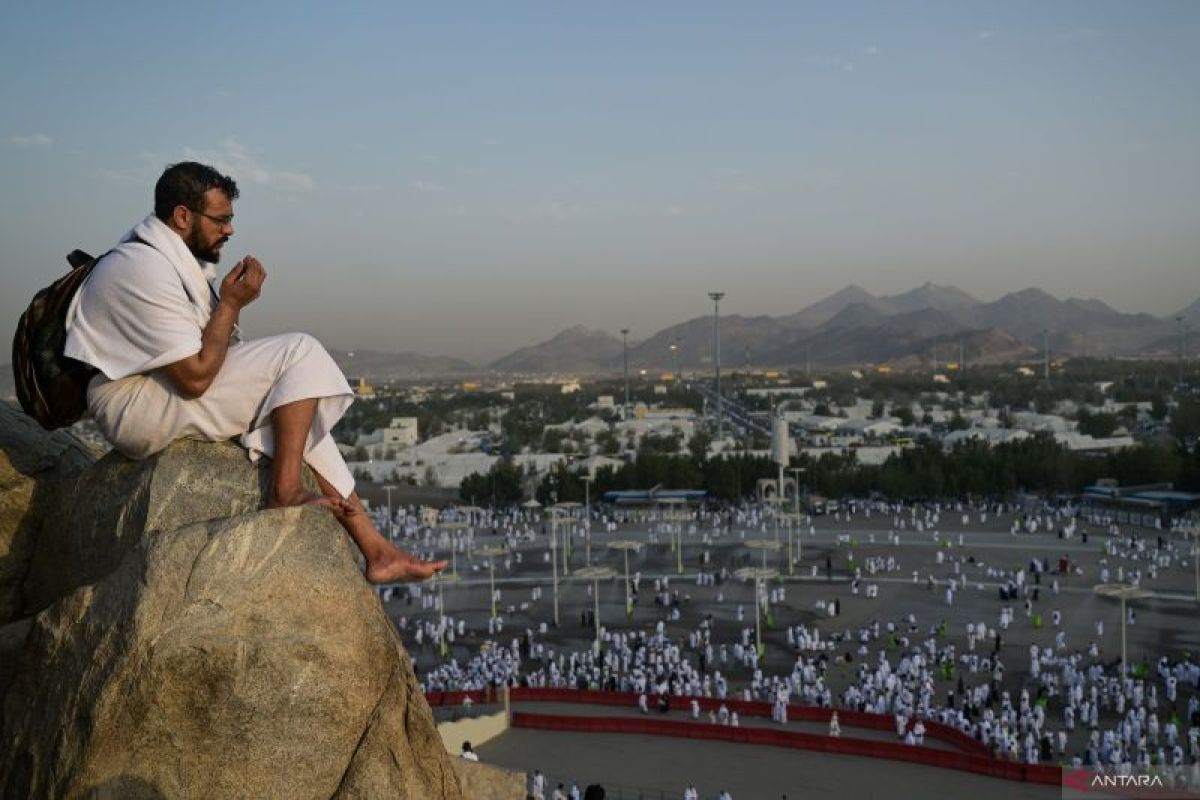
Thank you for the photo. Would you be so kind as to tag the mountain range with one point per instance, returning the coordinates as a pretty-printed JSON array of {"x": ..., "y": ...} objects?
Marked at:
[
  {"x": 850, "y": 327},
  {"x": 855, "y": 327}
]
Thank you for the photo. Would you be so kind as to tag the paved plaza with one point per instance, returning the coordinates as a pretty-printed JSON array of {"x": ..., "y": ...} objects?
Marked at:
[{"x": 973, "y": 555}]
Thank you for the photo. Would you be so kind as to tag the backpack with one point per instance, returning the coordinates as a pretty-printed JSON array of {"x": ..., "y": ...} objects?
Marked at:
[{"x": 51, "y": 387}]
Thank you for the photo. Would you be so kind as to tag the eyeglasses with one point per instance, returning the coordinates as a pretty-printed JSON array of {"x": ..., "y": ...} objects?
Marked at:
[{"x": 223, "y": 221}]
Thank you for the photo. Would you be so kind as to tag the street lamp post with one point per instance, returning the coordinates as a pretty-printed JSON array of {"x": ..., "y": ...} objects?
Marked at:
[
  {"x": 557, "y": 512},
  {"x": 391, "y": 524},
  {"x": 758, "y": 575},
  {"x": 450, "y": 526},
  {"x": 1195, "y": 534},
  {"x": 554, "y": 560},
  {"x": 625, "y": 352},
  {"x": 674, "y": 520},
  {"x": 1125, "y": 592},
  {"x": 441, "y": 579},
  {"x": 625, "y": 545},
  {"x": 1046, "y": 354},
  {"x": 764, "y": 545},
  {"x": 596, "y": 573},
  {"x": 490, "y": 554},
  {"x": 799, "y": 543},
  {"x": 716, "y": 298},
  {"x": 587, "y": 515},
  {"x": 1181, "y": 331}
]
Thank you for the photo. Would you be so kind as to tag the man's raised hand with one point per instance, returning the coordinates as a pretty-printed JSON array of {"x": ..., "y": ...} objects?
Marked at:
[{"x": 243, "y": 284}]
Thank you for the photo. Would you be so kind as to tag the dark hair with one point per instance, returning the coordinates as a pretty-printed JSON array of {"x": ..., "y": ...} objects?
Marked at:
[
  {"x": 185, "y": 183},
  {"x": 594, "y": 792}
]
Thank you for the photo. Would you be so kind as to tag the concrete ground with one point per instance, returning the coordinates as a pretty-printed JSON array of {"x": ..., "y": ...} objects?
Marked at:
[{"x": 659, "y": 767}]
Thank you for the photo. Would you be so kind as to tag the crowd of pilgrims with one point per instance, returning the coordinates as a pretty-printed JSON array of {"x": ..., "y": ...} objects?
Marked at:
[{"x": 1067, "y": 706}]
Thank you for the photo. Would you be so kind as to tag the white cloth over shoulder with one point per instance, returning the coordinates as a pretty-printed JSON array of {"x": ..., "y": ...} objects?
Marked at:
[{"x": 145, "y": 306}]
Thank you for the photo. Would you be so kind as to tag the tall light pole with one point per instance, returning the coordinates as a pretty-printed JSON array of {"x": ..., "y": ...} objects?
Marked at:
[
  {"x": 799, "y": 544},
  {"x": 1124, "y": 592},
  {"x": 625, "y": 351},
  {"x": 758, "y": 575},
  {"x": 1181, "y": 331},
  {"x": 1046, "y": 354},
  {"x": 490, "y": 553},
  {"x": 587, "y": 515},
  {"x": 1195, "y": 534},
  {"x": 716, "y": 298},
  {"x": 625, "y": 545},
  {"x": 441, "y": 579},
  {"x": 596, "y": 573},
  {"x": 554, "y": 559},
  {"x": 391, "y": 526},
  {"x": 674, "y": 519},
  {"x": 675, "y": 359}
]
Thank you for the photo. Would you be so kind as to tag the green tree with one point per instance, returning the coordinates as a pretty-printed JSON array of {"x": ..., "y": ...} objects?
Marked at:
[
  {"x": 560, "y": 485},
  {"x": 502, "y": 485},
  {"x": 698, "y": 445},
  {"x": 431, "y": 477},
  {"x": 607, "y": 442},
  {"x": 552, "y": 440},
  {"x": 1185, "y": 420},
  {"x": 1150, "y": 463},
  {"x": 1099, "y": 425},
  {"x": 1158, "y": 407}
]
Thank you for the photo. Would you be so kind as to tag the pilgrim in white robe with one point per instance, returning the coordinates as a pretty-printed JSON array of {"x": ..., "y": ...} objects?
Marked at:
[{"x": 145, "y": 306}]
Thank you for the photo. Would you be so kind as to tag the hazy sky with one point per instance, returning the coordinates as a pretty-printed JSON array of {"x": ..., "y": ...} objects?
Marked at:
[{"x": 467, "y": 178}]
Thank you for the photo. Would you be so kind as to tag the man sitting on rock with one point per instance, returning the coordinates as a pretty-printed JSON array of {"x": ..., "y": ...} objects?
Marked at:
[{"x": 172, "y": 364}]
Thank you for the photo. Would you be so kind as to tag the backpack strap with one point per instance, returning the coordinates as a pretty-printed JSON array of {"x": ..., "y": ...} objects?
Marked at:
[{"x": 77, "y": 258}]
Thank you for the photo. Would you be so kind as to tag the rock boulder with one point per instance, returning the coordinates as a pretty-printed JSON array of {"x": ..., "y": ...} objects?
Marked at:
[
  {"x": 35, "y": 468},
  {"x": 106, "y": 510},
  {"x": 219, "y": 651}
]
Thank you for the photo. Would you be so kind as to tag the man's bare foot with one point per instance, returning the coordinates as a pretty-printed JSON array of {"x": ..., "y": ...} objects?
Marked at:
[{"x": 393, "y": 565}]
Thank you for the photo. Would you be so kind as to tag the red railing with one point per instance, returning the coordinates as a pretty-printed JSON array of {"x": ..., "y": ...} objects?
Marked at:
[
  {"x": 745, "y": 708},
  {"x": 978, "y": 764}
]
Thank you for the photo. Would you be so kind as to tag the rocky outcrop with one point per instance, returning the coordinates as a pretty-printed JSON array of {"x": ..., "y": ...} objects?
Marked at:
[
  {"x": 35, "y": 467},
  {"x": 37, "y": 453},
  {"x": 481, "y": 781},
  {"x": 99, "y": 516},
  {"x": 18, "y": 527},
  {"x": 189, "y": 644}
]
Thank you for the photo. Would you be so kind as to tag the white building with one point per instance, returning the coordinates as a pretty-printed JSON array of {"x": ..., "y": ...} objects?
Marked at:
[
  {"x": 1050, "y": 423},
  {"x": 1083, "y": 442},
  {"x": 447, "y": 459},
  {"x": 869, "y": 428},
  {"x": 400, "y": 434},
  {"x": 992, "y": 436}
]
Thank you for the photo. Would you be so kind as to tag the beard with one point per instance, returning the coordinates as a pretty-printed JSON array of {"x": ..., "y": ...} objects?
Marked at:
[{"x": 204, "y": 250}]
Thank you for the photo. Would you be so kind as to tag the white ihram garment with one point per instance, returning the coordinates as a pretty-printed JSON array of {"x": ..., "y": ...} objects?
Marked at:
[{"x": 144, "y": 306}]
